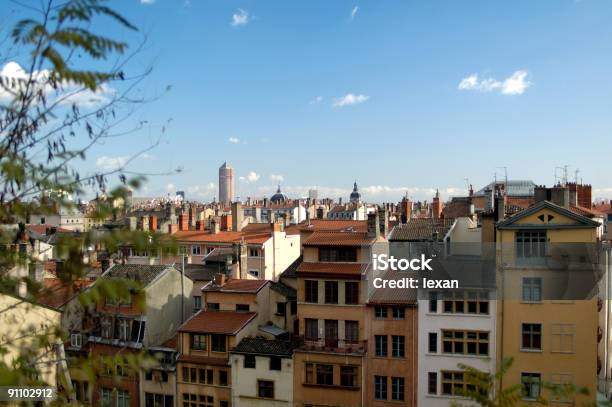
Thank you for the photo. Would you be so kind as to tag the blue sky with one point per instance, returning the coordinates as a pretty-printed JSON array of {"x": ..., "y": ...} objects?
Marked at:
[{"x": 326, "y": 92}]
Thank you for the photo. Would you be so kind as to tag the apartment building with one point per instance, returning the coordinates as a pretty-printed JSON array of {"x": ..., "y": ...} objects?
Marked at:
[
  {"x": 454, "y": 326},
  {"x": 392, "y": 359},
  {"x": 262, "y": 372},
  {"x": 334, "y": 282},
  {"x": 548, "y": 321},
  {"x": 144, "y": 320}
]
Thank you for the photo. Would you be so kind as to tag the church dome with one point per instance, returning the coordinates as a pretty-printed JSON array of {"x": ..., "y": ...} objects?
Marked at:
[{"x": 279, "y": 197}]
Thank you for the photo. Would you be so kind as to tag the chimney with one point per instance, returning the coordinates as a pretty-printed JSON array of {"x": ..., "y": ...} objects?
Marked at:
[
  {"x": 500, "y": 206},
  {"x": 145, "y": 223},
  {"x": 406, "y": 206},
  {"x": 214, "y": 226},
  {"x": 560, "y": 195},
  {"x": 220, "y": 279},
  {"x": 173, "y": 228},
  {"x": 541, "y": 193},
  {"x": 278, "y": 226},
  {"x": 237, "y": 215},
  {"x": 436, "y": 206},
  {"x": 199, "y": 225},
  {"x": 383, "y": 221},
  {"x": 183, "y": 221},
  {"x": 373, "y": 225},
  {"x": 153, "y": 223}
]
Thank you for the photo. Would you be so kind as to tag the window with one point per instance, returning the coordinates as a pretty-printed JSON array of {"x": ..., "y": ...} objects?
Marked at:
[
  {"x": 331, "y": 332},
  {"x": 149, "y": 375},
  {"x": 532, "y": 289},
  {"x": 397, "y": 388},
  {"x": 253, "y": 253},
  {"x": 465, "y": 342},
  {"x": 280, "y": 308},
  {"x": 218, "y": 343},
  {"x": 380, "y": 312},
  {"x": 312, "y": 329},
  {"x": 331, "y": 292},
  {"x": 311, "y": 291},
  {"x": 197, "y": 303},
  {"x": 325, "y": 374},
  {"x": 381, "y": 345},
  {"x": 223, "y": 377},
  {"x": 351, "y": 292},
  {"x": 123, "y": 398},
  {"x": 75, "y": 341},
  {"x": 471, "y": 302},
  {"x": 250, "y": 361},
  {"x": 380, "y": 387},
  {"x": 196, "y": 249},
  {"x": 562, "y": 380},
  {"x": 124, "y": 329},
  {"x": 198, "y": 342},
  {"x": 340, "y": 254},
  {"x": 309, "y": 373},
  {"x": 158, "y": 400},
  {"x": 254, "y": 273},
  {"x": 351, "y": 331},
  {"x": 209, "y": 376},
  {"x": 193, "y": 400},
  {"x": 242, "y": 307},
  {"x": 190, "y": 375},
  {"x": 223, "y": 403},
  {"x": 348, "y": 376},
  {"x": 106, "y": 397},
  {"x": 399, "y": 312},
  {"x": 398, "y": 346},
  {"x": 433, "y": 342},
  {"x": 212, "y": 306},
  {"x": 531, "y": 385},
  {"x": 432, "y": 383},
  {"x": 562, "y": 338},
  {"x": 530, "y": 245},
  {"x": 531, "y": 337},
  {"x": 453, "y": 383},
  {"x": 275, "y": 363},
  {"x": 265, "y": 389}
]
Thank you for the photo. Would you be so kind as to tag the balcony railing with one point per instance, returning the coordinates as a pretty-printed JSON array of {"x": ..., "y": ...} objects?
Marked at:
[{"x": 333, "y": 345}]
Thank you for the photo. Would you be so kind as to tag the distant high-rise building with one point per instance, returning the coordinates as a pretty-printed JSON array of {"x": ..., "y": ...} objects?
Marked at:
[{"x": 226, "y": 183}]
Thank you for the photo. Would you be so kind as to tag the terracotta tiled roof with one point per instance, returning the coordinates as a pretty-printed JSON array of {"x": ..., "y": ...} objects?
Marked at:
[
  {"x": 290, "y": 271},
  {"x": 329, "y": 238},
  {"x": 419, "y": 230},
  {"x": 334, "y": 225},
  {"x": 237, "y": 286},
  {"x": 605, "y": 207},
  {"x": 42, "y": 229},
  {"x": 221, "y": 237},
  {"x": 172, "y": 342},
  {"x": 56, "y": 292},
  {"x": 589, "y": 213},
  {"x": 330, "y": 268},
  {"x": 218, "y": 322}
]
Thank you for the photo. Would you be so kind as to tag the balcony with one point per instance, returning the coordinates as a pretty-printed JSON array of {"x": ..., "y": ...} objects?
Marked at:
[{"x": 340, "y": 346}]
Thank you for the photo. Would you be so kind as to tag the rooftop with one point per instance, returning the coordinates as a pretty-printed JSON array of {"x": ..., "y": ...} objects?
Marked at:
[
  {"x": 218, "y": 322},
  {"x": 517, "y": 187},
  {"x": 418, "y": 230},
  {"x": 334, "y": 225},
  {"x": 342, "y": 238},
  {"x": 145, "y": 274},
  {"x": 237, "y": 286},
  {"x": 314, "y": 269},
  {"x": 261, "y": 346}
]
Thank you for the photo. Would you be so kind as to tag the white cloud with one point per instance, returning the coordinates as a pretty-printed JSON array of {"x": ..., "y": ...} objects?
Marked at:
[
  {"x": 515, "y": 84},
  {"x": 234, "y": 140},
  {"x": 349, "y": 99},
  {"x": 240, "y": 18},
  {"x": 354, "y": 12},
  {"x": 111, "y": 163},
  {"x": 250, "y": 177},
  {"x": 67, "y": 93},
  {"x": 277, "y": 178},
  {"x": 147, "y": 2},
  {"x": 316, "y": 100}
]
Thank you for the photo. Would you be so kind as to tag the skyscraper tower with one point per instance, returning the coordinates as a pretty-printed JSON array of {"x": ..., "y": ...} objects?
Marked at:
[{"x": 226, "y": 184}]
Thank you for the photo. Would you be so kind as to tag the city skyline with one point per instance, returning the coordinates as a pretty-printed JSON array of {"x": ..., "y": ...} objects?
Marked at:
[{"x": 400, "y": 96}]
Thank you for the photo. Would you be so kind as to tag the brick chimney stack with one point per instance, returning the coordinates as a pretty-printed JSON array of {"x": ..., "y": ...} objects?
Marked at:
[
  {"x": 183, "y": 221},
  {"x": 373, "y": 225},
  {"x": 153, "y": 223},
  {"x": 406, "y": 207},
  {"x": 237, "y": 216}
]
